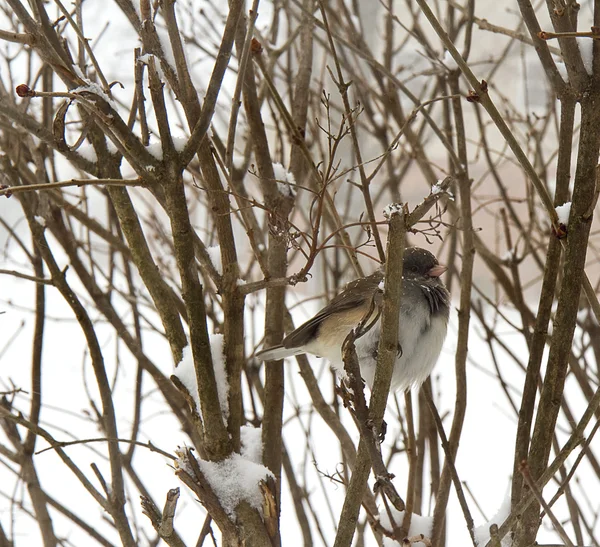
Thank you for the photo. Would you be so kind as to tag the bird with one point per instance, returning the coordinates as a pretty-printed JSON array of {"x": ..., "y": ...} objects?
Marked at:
[{"x": 424, "y": 313}]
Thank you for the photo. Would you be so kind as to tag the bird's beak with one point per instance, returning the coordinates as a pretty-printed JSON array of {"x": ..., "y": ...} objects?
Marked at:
[{"x": 436, "y": 271}]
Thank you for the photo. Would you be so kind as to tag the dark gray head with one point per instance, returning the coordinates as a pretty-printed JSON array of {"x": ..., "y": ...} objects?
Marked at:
[{"x": 419, "y": 261}]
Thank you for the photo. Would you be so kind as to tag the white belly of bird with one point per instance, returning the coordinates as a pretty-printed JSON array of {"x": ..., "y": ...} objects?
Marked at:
[{"x": 420, "y": 341}]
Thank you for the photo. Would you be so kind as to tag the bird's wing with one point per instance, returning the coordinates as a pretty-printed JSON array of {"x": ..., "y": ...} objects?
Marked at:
[{"x": 356, "y": 294}]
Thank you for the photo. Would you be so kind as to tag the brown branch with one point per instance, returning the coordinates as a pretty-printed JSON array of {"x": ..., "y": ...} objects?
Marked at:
[
  {"x": 8, "y": 191},
  {"x": 349, "y": 113},
  {"x": 538, "y": 496},
  {"x": 163, "y": 523},
  {"x": 387, "y": 350},
  {"x": 39, "y": 280}
]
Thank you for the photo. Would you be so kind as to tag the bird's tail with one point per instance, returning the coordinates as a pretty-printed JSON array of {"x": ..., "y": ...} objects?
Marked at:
[{"x": 277, "y": 352}]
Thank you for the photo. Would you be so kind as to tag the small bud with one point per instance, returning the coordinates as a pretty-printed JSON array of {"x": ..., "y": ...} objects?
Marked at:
[
  {"x": 473, "y": 97},
  {"x": 559, "y": 232},
  {"x": 256, "y": 47},
  {"x": 23, "y": 90}
]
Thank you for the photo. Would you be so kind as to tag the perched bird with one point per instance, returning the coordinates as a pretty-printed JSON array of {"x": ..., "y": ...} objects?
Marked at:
[{"x": 424, "y": 311}]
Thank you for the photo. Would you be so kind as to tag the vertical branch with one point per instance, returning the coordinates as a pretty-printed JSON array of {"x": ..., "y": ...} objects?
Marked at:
[
  {"x": 218, "y": 444},
  {"x": 116, "y": 501},
  {"x": 386, "y": 356},
  {"x": 279, "y": 207},
  {"x": 464, "y": 314},
  {"x": 411, "y": 453},
  {"x": 580, "y": 221},
  {"x": 298, "y": 162},
  {"x": 540, "y": 329},
  {"x": 30, "y": 474}
]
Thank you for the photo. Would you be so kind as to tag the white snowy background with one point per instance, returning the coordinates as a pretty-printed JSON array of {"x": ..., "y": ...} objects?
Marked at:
[{"x": 485, "y": 456}]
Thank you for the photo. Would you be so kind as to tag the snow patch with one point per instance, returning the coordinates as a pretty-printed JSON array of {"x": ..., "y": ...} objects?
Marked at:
[
  {"x": 40, "y": 220},
  {"x": 179, "y": 143},
  {"x": 96, "y": 89},
  {"x": 155, "y": 148},
  {"x": 509, "y": 256},
  {"x": 157, "y": 65},
  {"x": 252, "y": 448},
  {"x": 111, "y": 147},
  {"x": 392, "y": 209},
  {"x": 234, "y": 480},
  {"x": 87, "y": 152},
  {"x": 482, "y": 533},
  {"x": 218, "y": 358},
  {"x": 239, "y": 162},
  {"x": 586, "y": 49},
  {"x": 437, "y": 188},
  {"x": 418, "y": 524},
  {"x": 285, "y": 180},
  {"x": 165, "y": 42},
  {"x": 563, "y": 212},
  {"x": 186, "y": 373}
]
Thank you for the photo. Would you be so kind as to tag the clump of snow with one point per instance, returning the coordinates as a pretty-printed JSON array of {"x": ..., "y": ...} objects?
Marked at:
[
  {"x": 392, "y": 209},
  {"x": 234, "y": 480},
  {"x": 179, "y": 143},
  {"x": 157, "y": 65},
  {"x": 586, "y": 48},
  {"x": 186, "y": 372},
  {"x": 96, "y": 89},
  {"x": 482, "y": 533},
  {"x": 251, "y": 438},
  {"x": 509, "y": 256},
  {"x": 155, "y": 148},
  {"x": 449, "y": 61},
  {"x": 381, "y": 285},
  {"x": 40, "y": 220},
  {"x": 215, "y": 257},
  {"x": 239, "y": 161},
  {"x": 87, "y": 152},
  {"x": 218, "y": 358},
  {"x": 112, "y": 147},
  {"x": 563, "y": 212},
  {"x": 437, "y": 188},
  {"x": 285, "y": 180},
  {"x": 165, "y": 43},
  {"x": 182, "y": 461},
  {"x": 418, "y": 524}
]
